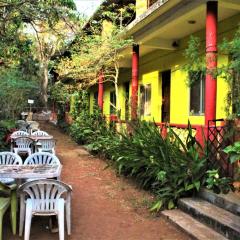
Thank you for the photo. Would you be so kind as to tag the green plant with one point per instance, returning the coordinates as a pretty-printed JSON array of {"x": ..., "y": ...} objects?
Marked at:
[
  {"x": 217, "y": 184},
  {"x": 233, "y": 151},
  {"x": 6, "y": 128},
  {"x": 159, "y": 164},
  {"x": 234, "y": 155},
  {"x": 230, "y": 71}
]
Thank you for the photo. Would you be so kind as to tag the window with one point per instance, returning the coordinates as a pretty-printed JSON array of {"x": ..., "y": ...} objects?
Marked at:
[
  {"x": 95, "y": 98},
  {"x": 197, "y": 93},
  {"x": 112, "y": 102},
  {"x": 145, "y": 100},
  {"x": 126, "y": 86}
]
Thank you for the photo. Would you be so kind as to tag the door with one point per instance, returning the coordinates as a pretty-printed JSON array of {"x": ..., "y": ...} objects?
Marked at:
[{"x": 166, "y": 80}]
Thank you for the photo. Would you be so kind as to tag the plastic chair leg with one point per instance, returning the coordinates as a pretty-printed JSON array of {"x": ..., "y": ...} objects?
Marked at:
[
  {"x": 60, "y": 219},
  {"x": 22, "y": 215},
  {"x": 14, "y": 211},
  {"x": 5, "y": 202},
  {"x": 28, "y": 219},
  {"x": 1, "y": 224},
  {"x": 68, "y": 217}
]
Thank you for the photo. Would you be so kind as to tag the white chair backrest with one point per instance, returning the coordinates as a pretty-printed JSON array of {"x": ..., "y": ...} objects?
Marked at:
[
  {"x": 42, "y": 158},
  {"x": 44, "y": 193},
  {"x": 19, "y": 134},
  {"x": 40, "y": 133},
  {"x": 47, "y": 144},
  {"x": 23, "y": 142},
  {"x": 9, "y": 158}
]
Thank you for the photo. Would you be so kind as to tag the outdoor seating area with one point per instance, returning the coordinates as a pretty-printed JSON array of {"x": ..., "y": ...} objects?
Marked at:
[
  {"x": 30, "y": 180},
  {"x": 133, "y": 106}
]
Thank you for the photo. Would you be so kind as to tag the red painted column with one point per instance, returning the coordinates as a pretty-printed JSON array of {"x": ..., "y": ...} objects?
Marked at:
[
  {"x": 100, "y": 90},
  {"x": 211, "y": 61},
  {"x": 135, "y": 70}
]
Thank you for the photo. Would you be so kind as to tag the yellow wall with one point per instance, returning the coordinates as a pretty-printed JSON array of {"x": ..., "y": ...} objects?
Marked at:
[
  {"x": 141, "y": 7},
  {"x": 156, "y": 93}
]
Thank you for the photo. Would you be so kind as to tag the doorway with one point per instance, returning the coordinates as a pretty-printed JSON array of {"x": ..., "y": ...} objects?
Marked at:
[{"x": 166, "y": 82}]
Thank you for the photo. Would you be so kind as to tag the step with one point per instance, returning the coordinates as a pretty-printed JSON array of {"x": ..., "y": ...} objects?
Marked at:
[
  {"x": 192, "y": 227},
  {"x": 220, "y": 220},
  {"x": 230, "y": 201}
]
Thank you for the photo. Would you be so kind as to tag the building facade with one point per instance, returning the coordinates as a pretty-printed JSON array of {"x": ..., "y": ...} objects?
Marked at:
[{"x": 152, "y": 84}]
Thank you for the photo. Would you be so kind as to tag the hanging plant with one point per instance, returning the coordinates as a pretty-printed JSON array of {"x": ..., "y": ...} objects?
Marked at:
[
  {"x": 231, "y": 73},
  {"x": 196, "y": 63}
]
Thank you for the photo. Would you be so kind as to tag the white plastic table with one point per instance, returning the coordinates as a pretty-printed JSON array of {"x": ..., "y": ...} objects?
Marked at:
[{"x": 30, "y": 171}]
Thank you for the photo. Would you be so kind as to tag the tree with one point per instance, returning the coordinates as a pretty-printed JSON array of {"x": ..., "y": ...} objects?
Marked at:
[
  {"x": 44, "y": 16},
  {"x": 98, "y": 49},
  {"x": 15, "y": 89}
]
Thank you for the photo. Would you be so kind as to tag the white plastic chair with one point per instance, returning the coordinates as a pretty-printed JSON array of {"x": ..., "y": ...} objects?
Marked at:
[
  {"x": 42, "y": 158},
  {"x": 9, "y": 158},
  {"x": 45, "y": 198},
  {"x": 19, "y": 134},
  {"x": 23, "y": 145},
  {"x": 39, "y": 158},
  {"x": 40, "y": 133},
  {"x": 46, "y": 145}
]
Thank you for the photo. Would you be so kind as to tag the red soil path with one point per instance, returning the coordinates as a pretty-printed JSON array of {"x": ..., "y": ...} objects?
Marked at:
[{"x": 104, "y": 206}]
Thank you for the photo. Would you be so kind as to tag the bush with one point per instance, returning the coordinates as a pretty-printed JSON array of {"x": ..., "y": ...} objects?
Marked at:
[
  {"x": 6, "y": 128},
  {"x": 158, "y": 164},
  {"x": 168, "y": 167}
]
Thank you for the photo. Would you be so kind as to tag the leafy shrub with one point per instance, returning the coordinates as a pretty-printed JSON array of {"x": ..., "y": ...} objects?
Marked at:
[
  {"x": 169, "y": 167},
  {"x": 217, "y": 184},
  {"x": 6, "y": 128},
  {"x": 158, "y": 164}
]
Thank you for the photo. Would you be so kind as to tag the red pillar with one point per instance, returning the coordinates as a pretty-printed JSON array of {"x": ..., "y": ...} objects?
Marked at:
[
  {"x": 211, "y": 61},
  {"x": 100, "y": 90},
  {"x": 135, "y": 68}
]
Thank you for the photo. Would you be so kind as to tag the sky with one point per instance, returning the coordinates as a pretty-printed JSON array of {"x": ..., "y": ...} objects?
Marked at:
[{"x": 87, "y": 7}]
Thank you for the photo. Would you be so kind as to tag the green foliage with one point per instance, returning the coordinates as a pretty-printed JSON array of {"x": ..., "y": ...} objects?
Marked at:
[
  {"x": 15, "y": 89},
  {"x": 168, "y": 167},
  {"x": 60, "y": 93},
  {"x": 217, "y": 184},
  {"x": 98, "y": 49},
  {"x": 6, "y": 127},
  {"x": 196, "y": 63},
  {"x": 233, "y": 151},
  {"x": 90, "y": 129},
  {"x": 80, "y": 104},
  {"x": 196, "y": 68},
  {"x": 231, "y": 73},
  {"x": 159, "y": 164},
  {"x": 14, "y": 14}
]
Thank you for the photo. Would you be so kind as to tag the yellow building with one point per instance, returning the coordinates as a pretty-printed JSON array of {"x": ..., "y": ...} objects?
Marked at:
[{"x": 162, "y": 30}]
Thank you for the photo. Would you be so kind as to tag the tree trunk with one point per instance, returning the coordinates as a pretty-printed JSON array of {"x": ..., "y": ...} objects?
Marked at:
[{"x": 44, "y": 85}]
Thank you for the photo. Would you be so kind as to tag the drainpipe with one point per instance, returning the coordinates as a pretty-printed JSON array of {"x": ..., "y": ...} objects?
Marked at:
[
  {"x": 211, "y": 61},
  {"x": 135, "y": 70},
  {"x": 100, "y": 90}
]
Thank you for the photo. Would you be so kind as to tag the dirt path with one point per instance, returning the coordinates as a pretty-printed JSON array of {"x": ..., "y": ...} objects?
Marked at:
[{"x": 104, "y": 206}]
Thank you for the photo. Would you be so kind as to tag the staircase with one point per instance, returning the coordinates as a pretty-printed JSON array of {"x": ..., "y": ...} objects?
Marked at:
[{"x": 208, "y": 216}]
